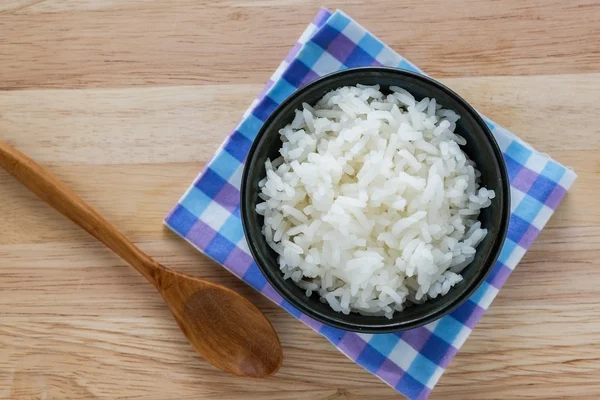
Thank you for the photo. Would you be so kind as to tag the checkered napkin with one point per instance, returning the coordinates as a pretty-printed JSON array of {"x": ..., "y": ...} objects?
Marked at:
[{"x": 208, "y": 215}]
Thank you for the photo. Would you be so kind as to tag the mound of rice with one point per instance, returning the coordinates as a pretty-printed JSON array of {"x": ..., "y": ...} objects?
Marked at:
[{"x": 373, "y": 205}]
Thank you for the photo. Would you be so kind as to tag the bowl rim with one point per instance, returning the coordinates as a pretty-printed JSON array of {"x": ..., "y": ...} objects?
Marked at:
[{"x": 275, "y": 279}]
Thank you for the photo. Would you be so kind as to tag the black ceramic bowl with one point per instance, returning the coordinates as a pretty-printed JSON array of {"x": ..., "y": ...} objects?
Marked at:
[{"x": 481, "y": 147}]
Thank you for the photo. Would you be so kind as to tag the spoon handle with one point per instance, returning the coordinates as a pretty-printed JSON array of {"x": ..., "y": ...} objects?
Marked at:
[{"x": 54, "y": 192}]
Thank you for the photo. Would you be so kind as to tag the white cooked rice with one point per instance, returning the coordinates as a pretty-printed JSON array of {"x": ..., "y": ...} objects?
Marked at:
[{"x": 372, "y": 204}]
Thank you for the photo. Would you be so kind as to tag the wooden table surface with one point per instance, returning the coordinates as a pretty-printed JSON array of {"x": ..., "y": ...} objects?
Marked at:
[{"x": 126, "y": 100}]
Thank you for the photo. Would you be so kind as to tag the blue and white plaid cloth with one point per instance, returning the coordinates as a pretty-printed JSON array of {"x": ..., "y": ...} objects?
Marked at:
[{"x": 208, "y": 215}]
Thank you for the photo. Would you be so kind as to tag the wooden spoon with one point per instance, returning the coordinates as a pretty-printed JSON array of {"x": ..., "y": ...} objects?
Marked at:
[{"x": 224, "y": 327}]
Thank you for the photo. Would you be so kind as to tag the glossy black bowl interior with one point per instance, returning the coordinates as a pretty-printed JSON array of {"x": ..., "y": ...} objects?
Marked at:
[{"x": 481, "y": 147}]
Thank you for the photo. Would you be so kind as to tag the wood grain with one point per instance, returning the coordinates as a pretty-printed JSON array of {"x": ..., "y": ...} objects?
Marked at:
[
  {"x": 225, "y": 328},
  {"x": 124, "y": 43},
  {"x": 126, "y": 100}
]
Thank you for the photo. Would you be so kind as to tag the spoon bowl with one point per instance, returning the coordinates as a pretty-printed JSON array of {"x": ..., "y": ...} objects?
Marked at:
[
  {"x": 223, "y": 327},
  {"x": 206, "y": 311}
]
